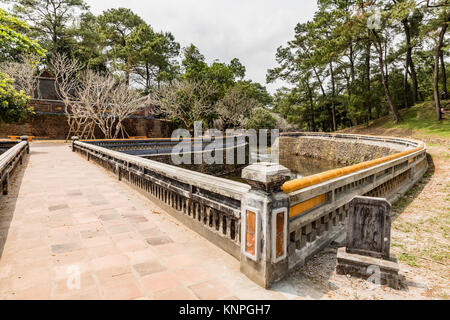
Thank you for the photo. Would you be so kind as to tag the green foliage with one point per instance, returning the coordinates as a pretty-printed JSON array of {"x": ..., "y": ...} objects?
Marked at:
[
  {"x": 261, "y": 119},
  {"x": 334, "y": 68},
  {"x": 220, "y": 75},
  {"x": 89, "y": 46},
  {"x": 50, "y": 21},
  {"x": 255, "y": 91},
  {"x": 153, "y": 55},
  {"x": 117, "y": 27},
  {"x": 13, "y": 105},
  {"x": 13, "y": 41}
]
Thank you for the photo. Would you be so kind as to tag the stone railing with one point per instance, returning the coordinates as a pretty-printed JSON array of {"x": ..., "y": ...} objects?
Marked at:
[
  {"x": 294, "y": 220},
  {"x": 271, "y": 224},
  {"x": 5, "y": 145},
  {"x": 319, "y": 203},
  {"x": 10, "y": 158},
  {"x": 165, "y": 146},
  {"x": 209, "y": 205}
]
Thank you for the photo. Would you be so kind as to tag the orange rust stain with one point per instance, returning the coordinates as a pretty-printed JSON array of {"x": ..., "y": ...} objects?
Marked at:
[
  {"x": 304, "y": 182},
  {"x": 280, "y": 234},
  {"x": 250, "y": 233},
  {"x": 306, "y": 205}
]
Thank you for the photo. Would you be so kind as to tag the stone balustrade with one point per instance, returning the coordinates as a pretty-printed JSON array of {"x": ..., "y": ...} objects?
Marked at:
[
  {"x": 271, "y": 225},
  {"x": 209, "y": 205},
  {"x": 318, "y": 211},
  {"x": 13, "y": 155}
]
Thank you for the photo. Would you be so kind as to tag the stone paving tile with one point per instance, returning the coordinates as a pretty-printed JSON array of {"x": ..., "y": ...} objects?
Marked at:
[
  {"x": 109, "y": 262},
  {"x": 65, "y": 247},
  {"x": 177, "y": 293},
  {"x": 119, "y": 228},
  {"x": 212, "y": 289},
  {"x": 157, "y": 241},
  {"x": 192, "y": 274},
  {"x": 140, "y": 256},
  {"x": 146, "y": 268},
  {"x": 65, "y": 214},
  {"x": 127, "y": 291},
  {"x": 160, "y": 281},
  {"x": 58, "y": 207},
  {"x": 113, "y": 275}
]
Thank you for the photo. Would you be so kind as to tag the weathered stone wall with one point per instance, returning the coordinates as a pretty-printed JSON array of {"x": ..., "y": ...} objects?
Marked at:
[
  {"x": 338, "y": 150},
  {"x": 51, "y": 126}
]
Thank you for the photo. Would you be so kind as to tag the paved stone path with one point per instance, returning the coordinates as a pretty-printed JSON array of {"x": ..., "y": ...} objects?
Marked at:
[{"x": 65, "y": 215}]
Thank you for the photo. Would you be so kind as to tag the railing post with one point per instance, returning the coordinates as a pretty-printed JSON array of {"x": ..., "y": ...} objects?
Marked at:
[
  {"x": 265, "y": 223},
  {"x": 25, "y": 138},
  {"x": 5, "y": 185},
  {"x": 118, "y": 172},
  {"x": 74, "y": 138}
]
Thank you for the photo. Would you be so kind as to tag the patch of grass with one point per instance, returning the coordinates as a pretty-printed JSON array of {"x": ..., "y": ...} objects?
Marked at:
[
  {"x": 421, "y": 117},
  {"x": 405, "y": 227},
  {"x": 398, "y": 245},
  {"x": 431, "y": 144},
  {"x": 409, "y": 259},
  {"x": 435, "y": 251},
  {"x": 407, "y": 198}
]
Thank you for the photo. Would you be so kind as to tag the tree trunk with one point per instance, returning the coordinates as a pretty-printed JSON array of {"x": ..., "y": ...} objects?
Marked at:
[
  {"x": 147, "y": 76},
  {"x": 352, "y": 63},
  {"x": 368, "y": 101},
  {"x": 333, "y": 97},
  {"x": 444, "y": 75},
  {"x": 320, "y": 81},
  {"x": 409, "y": 62},
  {"x": 415, "y": 86},
  {"x": 384, "y": 80},
  {"x": 313, "y": 121},
  {"x": 405, "y": 83},
  {"x": 386, "y": 72},
  {"x": 437, "y": 52}
]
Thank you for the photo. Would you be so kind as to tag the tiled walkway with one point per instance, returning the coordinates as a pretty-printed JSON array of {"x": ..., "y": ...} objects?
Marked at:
[{"x": 65, "y": 215}]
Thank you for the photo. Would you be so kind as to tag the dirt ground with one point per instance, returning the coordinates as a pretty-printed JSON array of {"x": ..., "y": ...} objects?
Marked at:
[{"x": 420, "y": 239}]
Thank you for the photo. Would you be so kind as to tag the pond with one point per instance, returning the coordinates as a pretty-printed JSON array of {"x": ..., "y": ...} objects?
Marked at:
[{"x": 299, "y": 166}]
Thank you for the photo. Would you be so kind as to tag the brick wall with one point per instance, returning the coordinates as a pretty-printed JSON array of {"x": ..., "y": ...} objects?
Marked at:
[{"x": 54, "y": 126}]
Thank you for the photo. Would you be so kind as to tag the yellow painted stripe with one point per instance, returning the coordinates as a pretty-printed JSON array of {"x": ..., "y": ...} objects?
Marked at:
[
  {"x": 307, "y": 205},
  {"x": 304, "y": 182}
]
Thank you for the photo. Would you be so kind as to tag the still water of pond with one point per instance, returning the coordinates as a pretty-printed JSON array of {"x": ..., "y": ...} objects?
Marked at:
[{"x": 299, "y": 166}]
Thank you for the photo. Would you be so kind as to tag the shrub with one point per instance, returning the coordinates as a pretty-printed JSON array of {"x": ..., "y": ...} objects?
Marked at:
[
  {"x": 261, "y": 119},
  {"x": 13, "y": 104}
]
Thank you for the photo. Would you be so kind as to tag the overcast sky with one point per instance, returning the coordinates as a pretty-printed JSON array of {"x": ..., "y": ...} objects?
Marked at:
[{"x": 250, "y": 30}]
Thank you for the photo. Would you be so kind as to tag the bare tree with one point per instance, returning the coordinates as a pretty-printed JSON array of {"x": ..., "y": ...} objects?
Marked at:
[
  {"x": 124, "y": 103},
  {"x": 66, "y": 84},
  {"x": 94, "y": 100},
  {"x": 24, "y": 75},
  {"x": 187, "y": 101},
  {"x": 234, "y": 108},
  {"x": 107, "y": 102},
  {"x": 282, "y": 123}
]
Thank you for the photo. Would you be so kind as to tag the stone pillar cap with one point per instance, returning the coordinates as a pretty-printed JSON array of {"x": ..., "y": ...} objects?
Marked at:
[{"x": 268, "y": 176}]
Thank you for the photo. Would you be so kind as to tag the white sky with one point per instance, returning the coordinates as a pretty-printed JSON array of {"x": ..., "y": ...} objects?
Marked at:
[{"x": 250, "y": 30}]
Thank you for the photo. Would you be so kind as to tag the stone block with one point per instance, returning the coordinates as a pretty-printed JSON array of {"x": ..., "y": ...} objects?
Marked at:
[
  {"x": 384, "y": 272},
  {"x": 307, "y": 229},
  {"x": 369, "y": 227}
]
